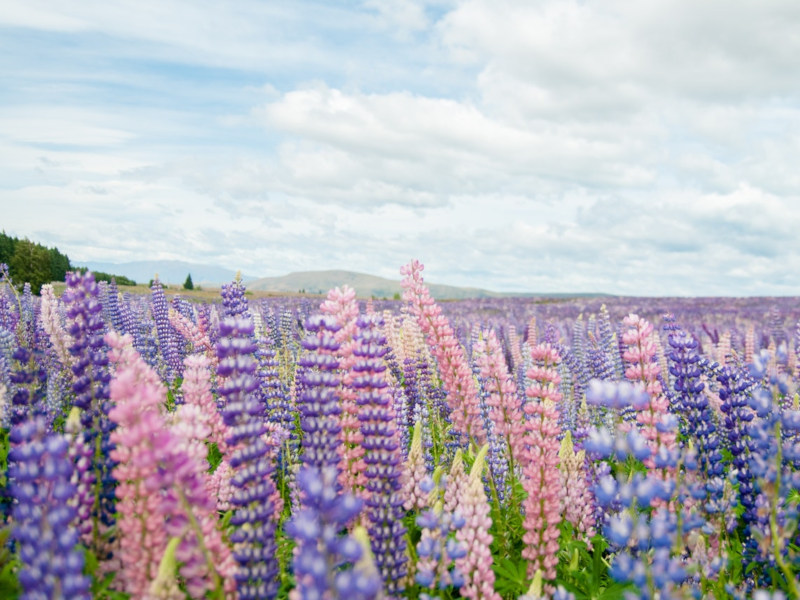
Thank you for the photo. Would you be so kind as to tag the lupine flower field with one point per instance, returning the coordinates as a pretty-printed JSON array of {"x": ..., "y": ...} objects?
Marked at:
[{"x": 350, "y": 449}]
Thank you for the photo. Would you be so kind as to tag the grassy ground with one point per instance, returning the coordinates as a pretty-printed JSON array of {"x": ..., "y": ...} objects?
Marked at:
[{"x": 201, "y": 295}]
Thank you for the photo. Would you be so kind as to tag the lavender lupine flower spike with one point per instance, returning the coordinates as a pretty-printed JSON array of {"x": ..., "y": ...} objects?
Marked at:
[
  {"x": 321, "y": 553},
  {"x": 697, "y": 416},
  {"x": 234, "y": 303},
  {"x": 47, "y": 543},
  {"x": 319, "y": 401},
  {"x": 166, "y": 333},
  {"x": 91, "y": 388},
  {"x": 733, "y": 392},
  {"x": 112, "y": 300},
  {"x": 27, "y": 385},
  {"x": 255, "y": 495},
  {"x": 437, "y": 548},
  {"x": 382, "y": 454}
]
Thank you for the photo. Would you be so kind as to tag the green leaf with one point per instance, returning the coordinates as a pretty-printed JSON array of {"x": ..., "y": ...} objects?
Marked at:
[
  {"x": 226, "y": 519},
  {"x": 511, "y": 576},
  {"x": 89, "y": 562},
  {"x": 615, "y": 591},
  {"x": 214, "y": 456},
  {"x": 9, "y": 582}
]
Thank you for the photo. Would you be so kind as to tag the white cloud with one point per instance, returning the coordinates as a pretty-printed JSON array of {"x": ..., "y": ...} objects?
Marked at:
[{"x": 551, "y": 146}]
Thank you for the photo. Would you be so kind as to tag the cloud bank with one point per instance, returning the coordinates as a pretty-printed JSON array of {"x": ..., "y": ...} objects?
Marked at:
[{"x": 544, "y": 147}]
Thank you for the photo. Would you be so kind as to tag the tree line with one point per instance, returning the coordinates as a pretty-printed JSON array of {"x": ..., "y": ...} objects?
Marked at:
[{"x": 36, "y": 264}]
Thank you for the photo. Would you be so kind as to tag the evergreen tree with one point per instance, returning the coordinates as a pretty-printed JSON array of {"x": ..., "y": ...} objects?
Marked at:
[
  {"x": 31, "y": 263},
  {"x": 188, "y": 285},
  {"x": 59, "y": 265},
  {"x": 8, "y": 245}
]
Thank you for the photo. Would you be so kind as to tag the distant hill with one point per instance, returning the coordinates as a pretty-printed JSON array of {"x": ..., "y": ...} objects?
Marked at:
[
  {"x": 311, "y": 282},
  {"x": 169, "y": 271},
  {"x": 366, "y": 286}
]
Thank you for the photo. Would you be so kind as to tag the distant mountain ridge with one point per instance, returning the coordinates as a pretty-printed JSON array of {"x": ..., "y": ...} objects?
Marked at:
[
  {"x": 365, "y": 285},
  {"x": 169, "y": 271},
  {"x": 312, "y": 282}
]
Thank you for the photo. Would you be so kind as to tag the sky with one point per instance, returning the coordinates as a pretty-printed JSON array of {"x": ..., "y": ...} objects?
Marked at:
[{"x": 616, "y": 146}]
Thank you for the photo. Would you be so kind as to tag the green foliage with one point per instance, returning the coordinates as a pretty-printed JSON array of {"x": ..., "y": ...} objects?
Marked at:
[
  {"x": 285, "y": 554},
  {"x": 107, "y": 277},
  {"x": 7, "y": 246},
  {"x": 584, "y": 572},
  {"x": 188, "y": 285},
  {"x": 3, "y": 457},
  {"x": 511, "y": 577},
  {"x": 59, "y": 265},
  {"x": 101, "y": 587},
  {"x": 173, "y": 392},
  {"x": 9, "y": 563},
  {"x": 31, "y": 262},
  {"x": 214, "y": 456}
]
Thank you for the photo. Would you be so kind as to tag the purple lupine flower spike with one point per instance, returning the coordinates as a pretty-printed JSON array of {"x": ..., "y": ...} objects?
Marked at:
[
  {"x": 47, "y": 541},
  {"x": 255, "y": 496},
  {"x": 91, "y": 388},
  {"x": 167, "y": 336},
  {"x": 382, "y": 454}
]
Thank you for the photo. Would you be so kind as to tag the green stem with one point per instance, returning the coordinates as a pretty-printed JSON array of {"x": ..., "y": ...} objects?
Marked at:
[{"x": 219, "y": 592}]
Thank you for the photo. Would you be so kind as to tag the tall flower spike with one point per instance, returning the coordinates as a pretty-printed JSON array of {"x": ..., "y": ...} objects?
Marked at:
[
  {"x": 515, "y": 346},
  {"x": 324, "y": 560},
  {"x": 234, "y": 302},
  {"x": 414, "y": 473},
  {"x": 476, "y": 565},
  {"x": 437, "y": 549},
  {"x": 192, "y": 334},
  {"x": 456, "y": 483},
  {"x": 91, "y": 388},
  {"x": 112, "y": 303},
  {"x": 734, "y": 391},
  {"x": 271, "y": 390},
  {"x": 643, "y": 368},
  {"x": 341, "y": 305},
  {"x": 51, "y": 322},
  {"x": 542, "y": 478},
  {"x": 319, "y": 399},
  {"x": 382, "y": 457},
  {"x": 162, "y": 490},
  {"x": 697, "y": 418},
  {"x": 462, "y": 394},
  {"x": 43, "y": 520},
  {"x": 80, "y": 454},
  {"x": 255, "y": 497},
  {"x": 504, "y": 405},
  {"x": 579, "y": 503},
  {"x": 167, "y": 341},
  {"x": 27, "y": 380},
  {"x": 196, "y": 389}
]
